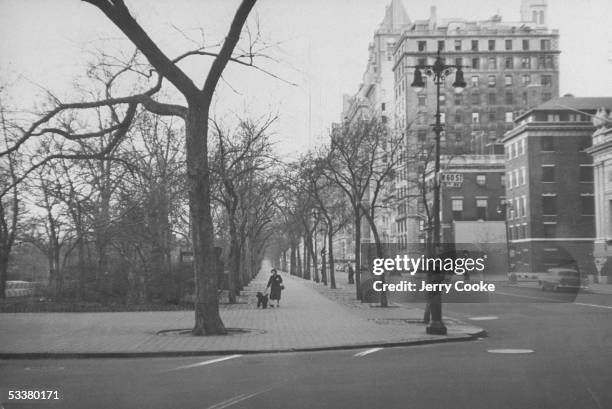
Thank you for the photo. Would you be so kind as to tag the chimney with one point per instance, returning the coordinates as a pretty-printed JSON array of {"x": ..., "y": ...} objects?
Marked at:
[{"x": 432, "y": 18}]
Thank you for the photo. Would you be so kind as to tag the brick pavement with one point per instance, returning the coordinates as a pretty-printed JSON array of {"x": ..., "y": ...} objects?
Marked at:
[{"x": 307, "y": 319}]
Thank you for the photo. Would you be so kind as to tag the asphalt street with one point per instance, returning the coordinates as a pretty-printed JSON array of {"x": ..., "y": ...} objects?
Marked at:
[{"x": 564, "y": 361}]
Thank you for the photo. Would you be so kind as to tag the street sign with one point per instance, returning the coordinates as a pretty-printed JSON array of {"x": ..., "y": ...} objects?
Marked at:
[{"x": 452, "y": 179}]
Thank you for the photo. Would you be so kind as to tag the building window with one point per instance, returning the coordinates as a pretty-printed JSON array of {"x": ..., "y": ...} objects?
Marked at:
[
  {"x": 457, "y": 206},
  {"x": 545, "y": 45},
  {"x": 520, "y": 147},
  {"x": 509, "y": 179},
  {"x": 522, "y": 179},
  {"x": 525, "y": 45},
  {"x": 546, "y": 80},
  {"x": 550, "y": 230},
  {"x": 475, "y": 63},
  {"x": 441, "y": 45},
  {"x": 421, "y": 135},
  {"x": 586, "y": 173},
  {"x": 475, "y": 98},
  {"x": 546, "y": 96},
  {"x": 422, "y": 45},
  {"x": 422, "y": 99},
  {"x": 513, "y": 150},
  {"x": 547, "y": 143},
  {"x": 509, "y": 63},
  {"x": 509, "y": 117},
  {"x": 481, "y": 180},
  {"x": 458, "y": 45},
  {"x": 492, "y": 98},
  {"x": 475, "y": 81},
  {"x": 491, "y": 45},
  {"x": 526, "y": 79},
  {"x": 508, "y": 45},
  {"x": 502, "y": 181},
  {"x": 457, "y": 118},
  {"x": 475, "y": 118},
  {"x": 509, "y": 99},
  {"x": 492, "y": 81},
  {"x": 523, "y": 231},
  {"x": 548, "y": 173},
  {"x": 587, "y": 204},
  {"x": 523, "y": 206},
  {"x": 459, "y": 61},
  {"x": 492, "y": 62},
  {"x": 474, "y": 45},
  {"x": 481, "y": 209},
  {"x": 458, "y": 99},
  {"x": 508, "y": 80},
  {"x": 526, "y": 63},
  {"x": 549, "y": 205},
  {"x": 492, "y": 116},
  {"x": 422, "y": 62},
  {"x": 524, "y": 98},
  {"x": 442, "y": 120}
]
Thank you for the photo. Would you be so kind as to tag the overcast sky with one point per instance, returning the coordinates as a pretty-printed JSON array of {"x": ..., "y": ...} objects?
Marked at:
[{"x": 322, "y": 48}]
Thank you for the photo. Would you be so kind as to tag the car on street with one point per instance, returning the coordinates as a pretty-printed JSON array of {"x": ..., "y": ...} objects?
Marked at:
[{"x": 559, "y": 278}]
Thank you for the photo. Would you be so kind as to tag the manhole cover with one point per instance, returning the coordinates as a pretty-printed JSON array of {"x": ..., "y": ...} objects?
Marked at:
[
  {"x": 510, "y": 351},
  {"x": 230, "y": 331}
]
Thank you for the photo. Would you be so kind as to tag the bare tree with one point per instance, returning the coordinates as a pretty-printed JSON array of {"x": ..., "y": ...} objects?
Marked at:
[
  {"x": 195, "y": 114},
  {"x": 9, "y": 206},
  {"x": 238, "y": 158},
  {"x": 362, "y": 158}
]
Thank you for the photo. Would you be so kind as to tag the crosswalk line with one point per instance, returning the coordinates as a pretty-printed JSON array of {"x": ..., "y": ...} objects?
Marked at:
[
  {"x": 210, "y": 361},
  {"x": 367, "y": 352}
]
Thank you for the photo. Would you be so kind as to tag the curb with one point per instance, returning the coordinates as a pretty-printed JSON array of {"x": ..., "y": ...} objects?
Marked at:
[{"x": 170, "y": 354}]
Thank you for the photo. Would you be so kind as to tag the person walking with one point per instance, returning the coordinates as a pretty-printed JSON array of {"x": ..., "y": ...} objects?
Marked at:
[
  {"x": 275, "y": 284},
  {"x": 351, "y": 274}
]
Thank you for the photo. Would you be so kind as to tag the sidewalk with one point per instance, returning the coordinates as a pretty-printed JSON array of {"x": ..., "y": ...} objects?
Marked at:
[{"x": 306, "y": 320}]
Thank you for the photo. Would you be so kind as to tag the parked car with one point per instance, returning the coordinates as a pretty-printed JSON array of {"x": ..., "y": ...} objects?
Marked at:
[{"x": 562, "y": 278}]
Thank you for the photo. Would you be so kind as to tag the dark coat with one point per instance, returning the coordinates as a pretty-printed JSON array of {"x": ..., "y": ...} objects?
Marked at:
[{"x": 274, "y": 283}]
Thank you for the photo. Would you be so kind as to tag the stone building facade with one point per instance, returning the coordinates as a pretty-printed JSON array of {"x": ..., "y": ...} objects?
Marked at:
[{"x": 509, "y": 67}]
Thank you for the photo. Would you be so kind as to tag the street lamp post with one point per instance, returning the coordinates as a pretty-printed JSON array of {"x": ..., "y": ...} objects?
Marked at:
[{"x": 438, "y": 71}]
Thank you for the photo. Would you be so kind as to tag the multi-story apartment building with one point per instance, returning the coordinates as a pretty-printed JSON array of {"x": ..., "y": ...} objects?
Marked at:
[
  {"x": 509, "y": 67},
  {"x": 601, "y": 151},
  {"x": 375, "y": 98},
  {"x": 549, "y": 185}
]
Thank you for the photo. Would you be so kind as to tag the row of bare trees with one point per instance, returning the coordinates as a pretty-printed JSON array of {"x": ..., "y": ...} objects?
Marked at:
[{"x": 339, "y": 186}]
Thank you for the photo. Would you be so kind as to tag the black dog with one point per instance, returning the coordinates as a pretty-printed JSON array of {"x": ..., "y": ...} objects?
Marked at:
[{"x": 262, "y": 300}]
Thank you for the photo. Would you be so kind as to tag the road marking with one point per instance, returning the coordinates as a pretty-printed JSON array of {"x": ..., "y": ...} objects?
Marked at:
[
  {"x": 486, "y": 318},
  {"x": 593, "y": 305},
  {"x": 510, "y": 351},
  {"x": 211, "y": 361},
  {"x": 367, "y": 352},
  {"x": 595, "y": 399},
  {"x": 236, "y": 399}
]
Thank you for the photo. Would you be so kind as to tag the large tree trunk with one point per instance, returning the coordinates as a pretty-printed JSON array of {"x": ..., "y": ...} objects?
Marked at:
[
  {"x": 358, "y": 253},
  {"x": 299, "y": 261},
  {"x": 3, "y": 272},
  {"x": 207, "y": 318},
  {"x": 332, "y": 272},
  {"x": 292, "y": 268},
  {"x": 234, "y": 262},
  {"x": 380, "y": 253},
  {"x": 306, "y": 260}
]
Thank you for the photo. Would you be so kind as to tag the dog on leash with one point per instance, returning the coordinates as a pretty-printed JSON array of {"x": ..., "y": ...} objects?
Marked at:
[{"x": 262, "y": 300}]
